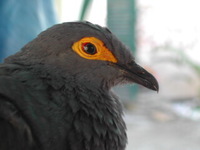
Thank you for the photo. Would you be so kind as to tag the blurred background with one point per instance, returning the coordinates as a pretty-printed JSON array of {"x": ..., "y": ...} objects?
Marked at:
[{"x": 164, "y": 36}]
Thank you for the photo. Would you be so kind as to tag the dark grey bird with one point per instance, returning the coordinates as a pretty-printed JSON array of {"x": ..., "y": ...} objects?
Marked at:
[{"x": 55, "y": 94}]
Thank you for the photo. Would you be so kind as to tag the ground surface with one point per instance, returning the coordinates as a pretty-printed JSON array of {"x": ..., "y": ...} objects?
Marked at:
[{"x": 155, "y": 124}]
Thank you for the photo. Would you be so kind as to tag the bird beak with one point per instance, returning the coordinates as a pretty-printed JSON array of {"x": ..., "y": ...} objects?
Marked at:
[{"x": 135, "y": 73}]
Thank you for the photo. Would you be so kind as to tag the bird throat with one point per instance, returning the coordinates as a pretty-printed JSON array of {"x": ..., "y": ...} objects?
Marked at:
[{"x": 96, "y": 120}]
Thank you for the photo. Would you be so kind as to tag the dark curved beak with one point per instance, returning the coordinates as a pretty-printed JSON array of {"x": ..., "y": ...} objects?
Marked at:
[{"x": 135, "y": 73}]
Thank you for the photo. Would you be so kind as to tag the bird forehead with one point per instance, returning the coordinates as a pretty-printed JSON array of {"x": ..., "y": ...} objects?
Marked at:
[
  {"x": 109, "y": 40},
  {"x": 75, "y": 31}
]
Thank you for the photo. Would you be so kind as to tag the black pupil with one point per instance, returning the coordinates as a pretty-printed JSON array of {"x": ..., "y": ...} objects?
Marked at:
[{"x": 89, "y": 48}]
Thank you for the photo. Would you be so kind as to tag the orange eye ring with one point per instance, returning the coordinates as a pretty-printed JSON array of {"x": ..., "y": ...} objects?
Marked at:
[{"x": 98, "y": 51}]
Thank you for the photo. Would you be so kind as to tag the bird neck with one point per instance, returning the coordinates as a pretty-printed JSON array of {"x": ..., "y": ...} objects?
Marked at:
[{"x": 97, "y": 119}]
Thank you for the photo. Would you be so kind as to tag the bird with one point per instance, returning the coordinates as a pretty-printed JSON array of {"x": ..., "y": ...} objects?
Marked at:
[{"x": 56, "y": 92}]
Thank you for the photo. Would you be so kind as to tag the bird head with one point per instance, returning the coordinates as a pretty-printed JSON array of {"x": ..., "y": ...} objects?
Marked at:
[{"x": 91, "y": 54}]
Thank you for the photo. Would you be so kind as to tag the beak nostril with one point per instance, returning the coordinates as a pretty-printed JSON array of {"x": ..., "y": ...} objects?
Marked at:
[{"x": 132, "y": 62}]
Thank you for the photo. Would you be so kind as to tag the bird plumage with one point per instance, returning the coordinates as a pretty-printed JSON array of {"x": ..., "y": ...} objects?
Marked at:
[{"x": 51, "y": 98}]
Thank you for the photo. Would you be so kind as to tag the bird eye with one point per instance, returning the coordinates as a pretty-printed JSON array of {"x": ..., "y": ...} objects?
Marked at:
[
  {"x": 89, "y": 48},
  {"x": 93, "y": 48}
]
